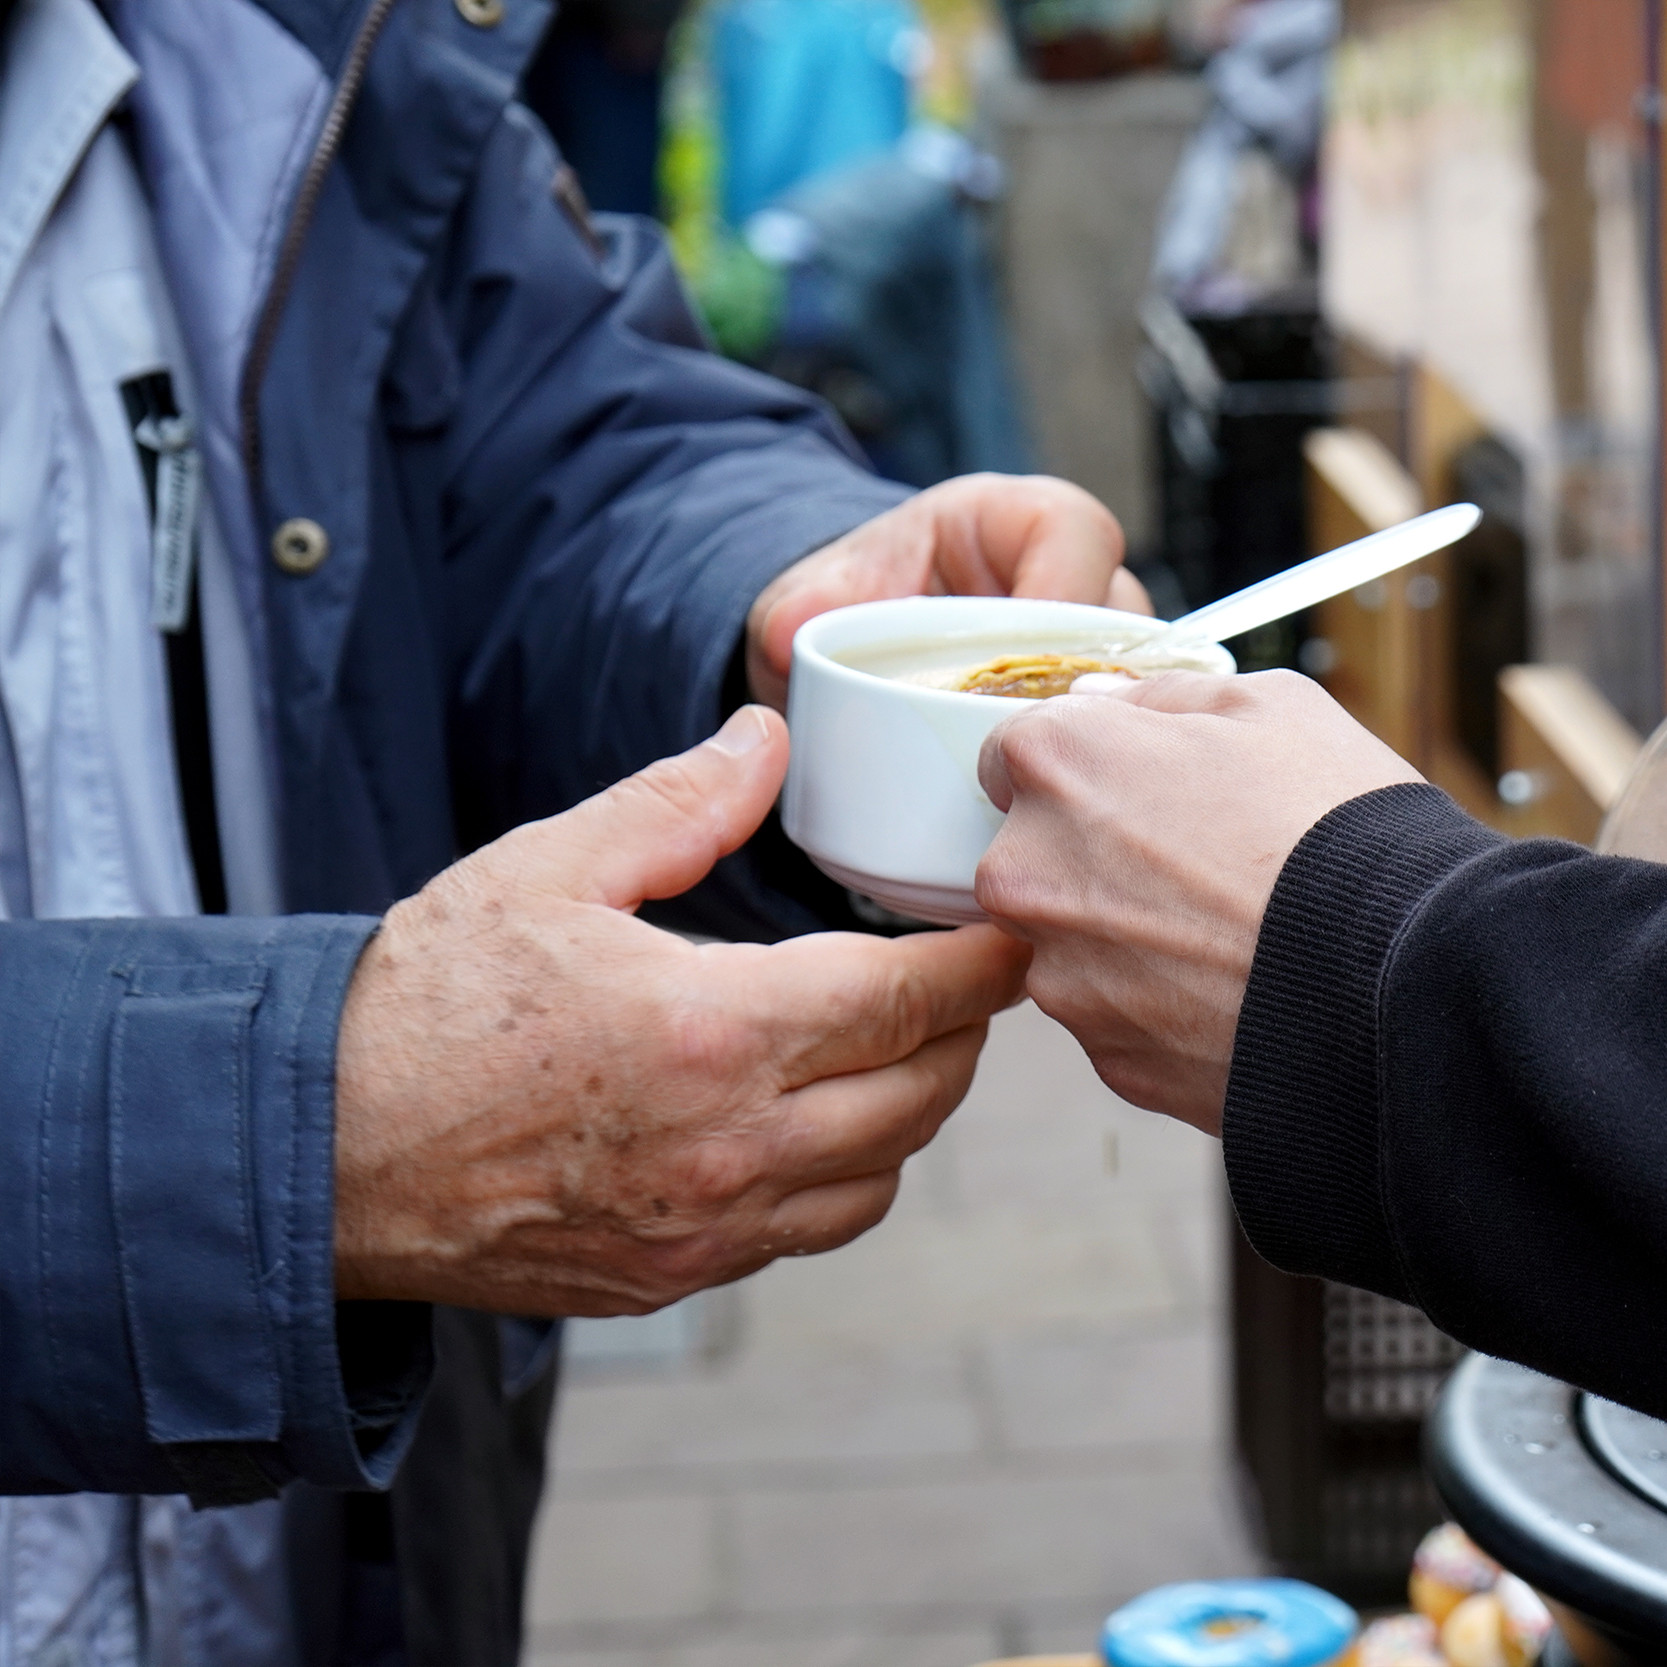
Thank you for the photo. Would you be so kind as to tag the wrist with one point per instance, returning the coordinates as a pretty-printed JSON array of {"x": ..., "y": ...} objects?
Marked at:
[{"x": 363, "y": 1198}]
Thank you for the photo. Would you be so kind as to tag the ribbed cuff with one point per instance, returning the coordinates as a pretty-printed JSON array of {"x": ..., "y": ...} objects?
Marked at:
[{"x": 1301, "y": 1130}]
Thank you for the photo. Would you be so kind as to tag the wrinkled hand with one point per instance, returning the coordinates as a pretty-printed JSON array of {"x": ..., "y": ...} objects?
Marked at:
[
  {"x": 981, "y": 535},
  {"x": 1147, "y": 823},
  {"x": 545, "y": 1106}
]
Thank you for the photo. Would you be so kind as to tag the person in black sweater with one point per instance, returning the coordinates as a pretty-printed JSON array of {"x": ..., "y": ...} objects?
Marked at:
[{"x": 1437, "y": 1057}]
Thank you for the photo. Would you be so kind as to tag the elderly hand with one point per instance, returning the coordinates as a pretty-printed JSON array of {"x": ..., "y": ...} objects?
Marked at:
[
  {"x": 982, "y": 535},
  {"x": 545, "y": 1106},
  {"x": 1147, "y": 823}
]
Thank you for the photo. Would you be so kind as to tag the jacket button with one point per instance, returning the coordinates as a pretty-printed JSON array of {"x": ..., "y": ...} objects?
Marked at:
[
  {"x": 300, "y": 545},
  {"x": 483, "y": 14}
]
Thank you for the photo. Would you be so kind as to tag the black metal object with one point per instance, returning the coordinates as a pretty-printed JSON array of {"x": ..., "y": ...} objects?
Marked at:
[
  {"x": 1567, "y": 1491},
  {"x": 1331, "y": 1386},
  {"x": 1489, "y": 574},
  {"x": 1232, "y": 400}
]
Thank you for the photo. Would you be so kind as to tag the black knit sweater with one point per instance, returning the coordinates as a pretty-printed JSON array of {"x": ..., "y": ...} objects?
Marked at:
[{"x": 1449, "y": 1085}]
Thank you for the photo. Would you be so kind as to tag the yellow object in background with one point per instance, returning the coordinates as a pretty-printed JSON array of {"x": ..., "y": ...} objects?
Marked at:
[{"x": 960, "y": 30}]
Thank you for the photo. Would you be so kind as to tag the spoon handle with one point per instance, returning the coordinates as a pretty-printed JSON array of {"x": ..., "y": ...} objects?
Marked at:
[{"x": 1324, "y": 577}]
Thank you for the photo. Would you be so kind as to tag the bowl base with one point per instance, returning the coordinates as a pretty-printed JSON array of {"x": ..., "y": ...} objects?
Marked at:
[{"x": 937, "y": 905}]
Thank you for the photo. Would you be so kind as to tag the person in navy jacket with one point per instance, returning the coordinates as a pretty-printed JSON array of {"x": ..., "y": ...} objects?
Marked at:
[{"x": 365, "y": 504}]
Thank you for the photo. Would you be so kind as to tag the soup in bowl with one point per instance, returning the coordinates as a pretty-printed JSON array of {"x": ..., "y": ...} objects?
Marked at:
[{"x": 889, "y": 704}]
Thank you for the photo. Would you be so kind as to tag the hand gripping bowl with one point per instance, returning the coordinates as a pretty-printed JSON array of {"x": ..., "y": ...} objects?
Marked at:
[{"x": 882, "y": 791}]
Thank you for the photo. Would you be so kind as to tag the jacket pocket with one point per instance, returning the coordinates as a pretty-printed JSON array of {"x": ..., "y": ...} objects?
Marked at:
[{"x": 183, "y": 1190}]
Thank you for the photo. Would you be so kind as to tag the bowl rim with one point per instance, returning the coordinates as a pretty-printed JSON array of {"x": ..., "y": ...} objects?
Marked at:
[{"x": 806, "y": 645}]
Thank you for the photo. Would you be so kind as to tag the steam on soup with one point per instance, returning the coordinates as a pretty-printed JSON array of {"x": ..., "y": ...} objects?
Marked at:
[{"x": 1016, "y": 671}]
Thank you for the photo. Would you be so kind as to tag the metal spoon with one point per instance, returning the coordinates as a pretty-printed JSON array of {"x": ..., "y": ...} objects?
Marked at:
[{"x": 1315, "y": 581}]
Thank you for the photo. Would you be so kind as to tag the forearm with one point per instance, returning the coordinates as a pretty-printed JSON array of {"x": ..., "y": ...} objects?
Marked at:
[
  {"x": 1446, "y": 1080},
  {"x": 167, "y": 1214}
]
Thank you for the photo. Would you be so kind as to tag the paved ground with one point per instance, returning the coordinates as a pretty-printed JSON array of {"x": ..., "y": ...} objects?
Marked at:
[{"x": 969, "y": 1434}]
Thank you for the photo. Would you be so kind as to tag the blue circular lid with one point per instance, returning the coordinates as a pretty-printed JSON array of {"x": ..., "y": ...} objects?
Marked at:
[{"x": 1229, "y": 1623}]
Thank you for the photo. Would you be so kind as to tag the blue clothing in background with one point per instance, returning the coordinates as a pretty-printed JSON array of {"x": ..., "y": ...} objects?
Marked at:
[
  {"x": 806, "y": 86},
  {"x": 892, "y": 311}
]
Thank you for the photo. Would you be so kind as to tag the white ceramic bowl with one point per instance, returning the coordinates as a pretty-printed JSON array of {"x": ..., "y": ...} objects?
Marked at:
[{"x": 882, "y": 792}]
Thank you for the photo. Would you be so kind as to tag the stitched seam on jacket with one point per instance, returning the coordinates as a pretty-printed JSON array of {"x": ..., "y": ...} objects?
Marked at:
[
  {"x": 292, "y": 1070},
  {"x": 44, "y": 1149}
]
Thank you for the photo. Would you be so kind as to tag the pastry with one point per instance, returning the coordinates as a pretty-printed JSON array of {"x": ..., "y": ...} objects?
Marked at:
[
  {"x": 1447, "y": 1568},
  {"x": 1525, "y": 1622},
  {"x": 1474, "y": 1634},
  {"x": 1399, "y": 1641}
]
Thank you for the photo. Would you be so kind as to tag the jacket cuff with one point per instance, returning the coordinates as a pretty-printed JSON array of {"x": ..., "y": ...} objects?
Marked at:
[
  {"x": 189, "y": 1084},
  {"x": 1302, "y": 1124}
]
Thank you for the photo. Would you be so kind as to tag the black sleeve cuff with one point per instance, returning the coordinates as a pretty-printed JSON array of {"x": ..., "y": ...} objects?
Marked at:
[{"x": 1302, "y": 1124}]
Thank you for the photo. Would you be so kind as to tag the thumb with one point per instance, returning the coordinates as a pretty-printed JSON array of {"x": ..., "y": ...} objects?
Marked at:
[{"x": 658, "y": 832}]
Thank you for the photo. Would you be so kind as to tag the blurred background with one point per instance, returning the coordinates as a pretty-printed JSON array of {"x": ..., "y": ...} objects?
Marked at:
[{"x": 1263, "y": 276}]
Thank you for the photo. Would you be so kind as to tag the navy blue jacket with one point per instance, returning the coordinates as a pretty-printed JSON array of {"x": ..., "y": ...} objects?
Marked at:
[{"x": 549, "y": 509}]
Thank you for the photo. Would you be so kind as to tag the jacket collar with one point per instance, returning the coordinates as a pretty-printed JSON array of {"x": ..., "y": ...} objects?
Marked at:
[{"x": 62, "y": 74}]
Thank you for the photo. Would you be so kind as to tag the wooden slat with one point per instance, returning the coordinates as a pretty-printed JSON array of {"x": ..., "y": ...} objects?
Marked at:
[
  {"x": 1356, "y": 486},
  {"x": 1391, "y": 648},
  {"x": 1440, "y": 424},
  {"x": 1369, "y": 483},
  {"x": 1573, "y": 747},
  {"x": 1045, "y": 1661}
]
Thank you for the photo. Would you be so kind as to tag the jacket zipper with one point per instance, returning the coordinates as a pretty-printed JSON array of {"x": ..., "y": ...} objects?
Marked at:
[{"x": 288, "y": 263}]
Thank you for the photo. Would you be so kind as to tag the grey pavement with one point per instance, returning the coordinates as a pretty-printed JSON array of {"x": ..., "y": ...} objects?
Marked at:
[{"x": 970, "y": 1434}]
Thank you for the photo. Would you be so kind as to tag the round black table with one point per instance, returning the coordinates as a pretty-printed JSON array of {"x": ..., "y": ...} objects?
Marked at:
[{"x": 1566, "y": 1490}]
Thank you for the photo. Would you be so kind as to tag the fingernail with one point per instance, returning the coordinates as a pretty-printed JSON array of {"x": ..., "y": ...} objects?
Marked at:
[
  {"x": 744, "y": 731},
  {"x": 1102, "y": 683}
]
